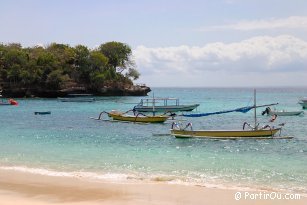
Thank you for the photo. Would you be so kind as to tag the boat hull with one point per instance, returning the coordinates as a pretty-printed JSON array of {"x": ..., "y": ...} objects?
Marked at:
[
  {"x": 286, "y": 113},
  {"x": 303, "y": 104},
  {"x": 224, "y": 134},
  {"x": 144, "y": 119},
  {"x": 42, "y": 113},
  {"x": 175, "y": 108},
  {"x": 2, "y": 103}
]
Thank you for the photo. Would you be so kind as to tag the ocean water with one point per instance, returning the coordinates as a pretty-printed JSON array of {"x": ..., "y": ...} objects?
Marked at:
[{"x": 69, "y": 143}]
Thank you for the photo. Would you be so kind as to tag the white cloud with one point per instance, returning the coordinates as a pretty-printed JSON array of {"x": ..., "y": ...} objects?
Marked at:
[
  {"x": 255, "y": 56},
  {"x": 292, "y": 22}
]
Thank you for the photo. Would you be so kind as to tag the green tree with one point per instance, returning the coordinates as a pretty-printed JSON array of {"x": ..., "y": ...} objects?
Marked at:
[
  {"x": 56, "y": 78},
  {"x": 59, "y": 65},
  {"x": 82, "y": 63},
  {"x": 133, "y": 73},
  {"x": 119, "y": 55}
]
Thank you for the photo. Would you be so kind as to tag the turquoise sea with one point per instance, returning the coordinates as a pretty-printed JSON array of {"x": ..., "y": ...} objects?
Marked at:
[{"x": 69, "y": 143}]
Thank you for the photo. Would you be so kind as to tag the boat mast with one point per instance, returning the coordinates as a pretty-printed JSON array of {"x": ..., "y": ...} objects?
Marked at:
[
  {"x": 153, "y": 103},
  {"x": 255, "y": 113}
]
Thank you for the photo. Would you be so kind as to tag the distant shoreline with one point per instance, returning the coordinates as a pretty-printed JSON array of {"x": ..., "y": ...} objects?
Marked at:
[
  {"x": 235, "y": 87},
  {"x": 134, "y": 90}
]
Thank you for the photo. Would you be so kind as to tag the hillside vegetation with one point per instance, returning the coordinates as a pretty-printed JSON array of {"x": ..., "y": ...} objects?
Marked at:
[{"x": 58, "y": 69}]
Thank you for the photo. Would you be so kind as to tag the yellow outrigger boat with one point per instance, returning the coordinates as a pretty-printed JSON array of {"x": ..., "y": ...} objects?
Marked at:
[
  {"x": 255, "y": 132},
  {"x": 116, "y": 115},
  {"x": 226, "y": 134}
]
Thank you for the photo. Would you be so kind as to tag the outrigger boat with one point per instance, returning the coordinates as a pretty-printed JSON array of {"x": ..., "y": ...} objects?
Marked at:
[
  {"x": 42, "y": 113},
  {"x": 268, "y": 111},
  {"x": 303, "y": 102},
  {"x": 254, "y": 132},
  {"x": 8, "y": 102},
  {"x": 163, "y": 105},
  {"x": 226, "y": 134},
  {"x": 123, "y": 116}
]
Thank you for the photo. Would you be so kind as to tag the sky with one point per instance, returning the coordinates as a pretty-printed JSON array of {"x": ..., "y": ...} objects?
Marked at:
[{"x": 194, "y": 43}]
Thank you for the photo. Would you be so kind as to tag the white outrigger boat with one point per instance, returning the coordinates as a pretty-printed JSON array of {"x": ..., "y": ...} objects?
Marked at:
[
  {"x": 254, "y": 132},
  {"x": 163, "y": 105},
  {"x": 303, "y": 102},
  {"x": 268, "y": 111}
]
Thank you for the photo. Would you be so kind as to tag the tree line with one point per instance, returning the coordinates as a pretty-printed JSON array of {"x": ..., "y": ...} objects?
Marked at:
[{"x": 58, "y": 66}]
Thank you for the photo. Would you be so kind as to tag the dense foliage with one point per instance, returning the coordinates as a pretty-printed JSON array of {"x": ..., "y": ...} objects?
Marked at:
[{"x": 59, "y": 66}]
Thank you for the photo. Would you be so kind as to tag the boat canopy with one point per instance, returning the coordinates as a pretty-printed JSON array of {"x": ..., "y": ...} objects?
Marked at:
[
  {"x": 241, "y": 109},
  {"x": 155, "y": 101}
]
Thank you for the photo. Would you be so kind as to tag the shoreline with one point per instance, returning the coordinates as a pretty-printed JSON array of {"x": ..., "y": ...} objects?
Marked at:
[
  {"x": 122, "y": 178},
  {"x": 17, "y": 187},
  {"x": 128, "y": 179}
]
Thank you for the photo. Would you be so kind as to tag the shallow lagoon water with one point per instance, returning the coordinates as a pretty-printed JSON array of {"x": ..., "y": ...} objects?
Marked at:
[{"x": 69, "y": 143}]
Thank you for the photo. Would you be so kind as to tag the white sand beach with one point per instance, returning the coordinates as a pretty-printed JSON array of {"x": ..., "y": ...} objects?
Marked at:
[{"x": 32, "y": 189}]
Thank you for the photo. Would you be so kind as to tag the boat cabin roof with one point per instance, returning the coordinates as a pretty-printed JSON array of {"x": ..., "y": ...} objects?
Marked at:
[
  {"x": 156, "y": 99},
  {"x": 164, "y": 101}
]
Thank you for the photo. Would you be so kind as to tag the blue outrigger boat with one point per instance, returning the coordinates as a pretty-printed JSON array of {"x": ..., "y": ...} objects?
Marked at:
[{"x": 42, "y": 113}]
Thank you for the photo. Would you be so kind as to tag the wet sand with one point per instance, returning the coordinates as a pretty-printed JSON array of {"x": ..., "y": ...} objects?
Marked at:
[{"x": 32, "y": 189}]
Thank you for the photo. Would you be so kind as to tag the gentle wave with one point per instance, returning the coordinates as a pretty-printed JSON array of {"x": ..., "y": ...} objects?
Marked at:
[
  {"x": 120, "y": 178},
  {"x": 140, "y": 178},
  {"x": 89, "y": 175}
]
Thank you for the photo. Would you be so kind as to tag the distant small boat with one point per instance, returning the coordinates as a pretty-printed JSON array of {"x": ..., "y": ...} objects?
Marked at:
[
  {"x": 9, "y": 102},
  {"x": 77, "y": 98},
  {"x": 42, "y": 113},
  {"x": 5, "y": 103},
  {"x": 116, "y": 115},
  {"x": 163, "y": 105},
  {"x": 303, "y": 102},
  {"x": 268, "y": 111}
]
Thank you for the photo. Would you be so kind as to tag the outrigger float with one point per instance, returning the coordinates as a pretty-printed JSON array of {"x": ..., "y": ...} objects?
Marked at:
[{"x": 254, "y": 132}]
